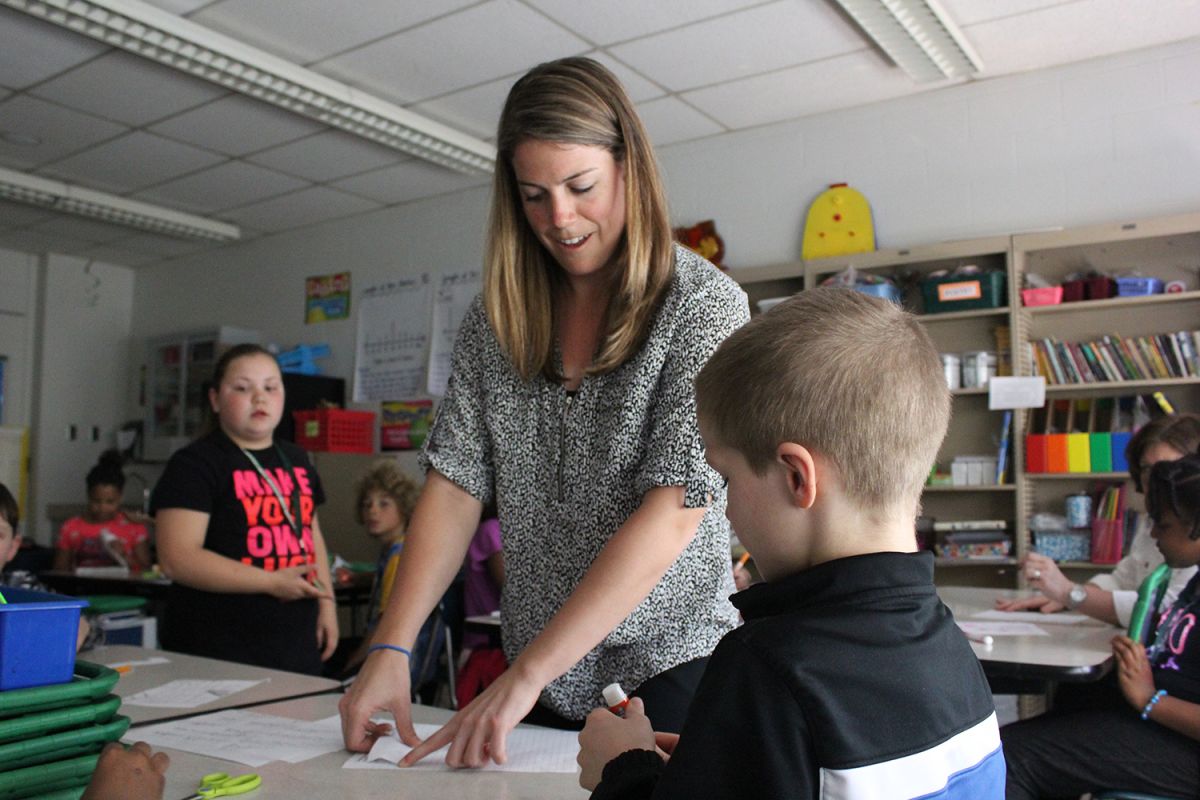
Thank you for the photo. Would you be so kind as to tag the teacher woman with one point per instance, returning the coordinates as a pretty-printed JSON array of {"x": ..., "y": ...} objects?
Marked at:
[{"x": 571, "y": 404}]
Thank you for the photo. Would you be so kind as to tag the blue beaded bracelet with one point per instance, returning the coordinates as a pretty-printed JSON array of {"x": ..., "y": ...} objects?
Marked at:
[
  {"x": 1160, "y": 694},
  {"x": 395, "y": 647}
]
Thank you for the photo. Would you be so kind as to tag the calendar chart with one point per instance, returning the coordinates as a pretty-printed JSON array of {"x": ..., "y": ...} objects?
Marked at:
[{"x": 393, "y": 339}]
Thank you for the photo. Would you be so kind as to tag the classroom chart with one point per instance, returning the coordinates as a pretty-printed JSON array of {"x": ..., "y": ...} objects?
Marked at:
[
  {"x": 159, "y": 684},
  {"x": 324, "y": 775}
]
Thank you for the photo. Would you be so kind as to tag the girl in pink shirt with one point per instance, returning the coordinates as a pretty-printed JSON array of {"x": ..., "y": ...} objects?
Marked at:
[{"x": 103, "y": 532}]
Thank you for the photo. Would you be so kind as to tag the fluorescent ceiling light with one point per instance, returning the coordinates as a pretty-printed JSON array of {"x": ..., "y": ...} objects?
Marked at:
[
  {"x": 188, "y": 47},
  {"x": 22, "y": 188},
  {"x": 918, "y": 36}
]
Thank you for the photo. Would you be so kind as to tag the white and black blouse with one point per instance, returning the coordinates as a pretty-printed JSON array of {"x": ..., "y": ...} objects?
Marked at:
[{"x": 567, "y": 470}]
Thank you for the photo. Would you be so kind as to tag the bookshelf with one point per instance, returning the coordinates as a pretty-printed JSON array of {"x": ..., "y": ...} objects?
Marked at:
[
  {"x": 973, "y": 428},
  {"x": 1167, "y": 248}
]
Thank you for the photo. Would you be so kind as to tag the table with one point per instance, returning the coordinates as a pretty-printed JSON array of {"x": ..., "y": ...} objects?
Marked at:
[
  {"x": 67, "y": 582},
  {"x": 1077, "y": 652},
  {"x": 277, "y": 685},
  {"x": 324, "y": 776}
]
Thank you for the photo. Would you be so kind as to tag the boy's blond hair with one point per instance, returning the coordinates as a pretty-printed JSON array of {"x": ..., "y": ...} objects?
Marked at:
[
  {"x": 386, "y": 476},
  {"x": 851, "y": 377}
]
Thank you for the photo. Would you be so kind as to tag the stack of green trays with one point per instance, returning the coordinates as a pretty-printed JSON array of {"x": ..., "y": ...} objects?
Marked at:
[{"x": 51, "y": 736}]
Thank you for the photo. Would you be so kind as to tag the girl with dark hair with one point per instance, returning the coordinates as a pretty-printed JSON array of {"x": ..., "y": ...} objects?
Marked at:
[
  {"x": 1150, "y": 743},
  {"x": 103, "y": 536},
  {"x": 237, "y": 531}
]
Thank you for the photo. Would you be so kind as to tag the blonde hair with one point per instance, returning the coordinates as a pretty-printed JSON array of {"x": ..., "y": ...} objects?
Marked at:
[
  {"x": 854, "y": 378},
  {"x": 574, "y": 101},
  {"x": 386, "y": 476}
]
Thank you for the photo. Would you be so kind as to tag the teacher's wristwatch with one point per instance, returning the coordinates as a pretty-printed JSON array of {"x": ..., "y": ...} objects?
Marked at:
[{"x": 1076, "y": 596}]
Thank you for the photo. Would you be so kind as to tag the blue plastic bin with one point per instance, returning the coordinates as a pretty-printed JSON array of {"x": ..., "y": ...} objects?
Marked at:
[
  {"x": 38, "y": 633},
  {"x": 1138, "y": 287}
]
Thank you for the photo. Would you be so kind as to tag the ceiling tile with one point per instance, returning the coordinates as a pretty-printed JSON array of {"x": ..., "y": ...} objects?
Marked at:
[
  {"x": 306, "y": 207},
  {"x": 409, "y": 181},
  {"x": 61, "y": 131},
  {"x": 127, "y": 88},
  {"x": 81, "y": 228},
  {"x": 638, "y": 87},
  {"x": 329, "y": 155},
  {"x": 32, "y": 50},
  {"x": 16, "y": 215},
  {"x": 769, "y": 37},
  {"x": 133, "y": 161},
  {"x": 163, "y": 246},
  {"x": 237, "y": 125},
  {"x": 1081, "y": 30},
  {"x": 233, "y": 183},
  {"x": 970, "y": 12},
  {"x": 496, "y": 38},
  {"x": 475, "y": 110},
  {"x": 860, "y": 78},
  {"x": 670, "y": 120},
  {"x": 305, "y": 31},
  {"x": 619, "y": 20},
  {"x": 181, "y": 7}
]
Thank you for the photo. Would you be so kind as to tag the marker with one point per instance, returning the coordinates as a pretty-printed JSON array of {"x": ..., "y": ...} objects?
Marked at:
[
  {"x": 615, "y": 699},
  {"x": 984, "y": 640}
]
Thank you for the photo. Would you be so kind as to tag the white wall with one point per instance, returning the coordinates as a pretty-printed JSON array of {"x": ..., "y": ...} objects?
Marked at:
[
  {"x": 18, "y": 284},
  {"x": 82, "y": 377}
]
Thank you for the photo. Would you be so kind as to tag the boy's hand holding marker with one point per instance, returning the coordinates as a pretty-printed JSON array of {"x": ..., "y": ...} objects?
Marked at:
[{"x": 608, "y": 733}]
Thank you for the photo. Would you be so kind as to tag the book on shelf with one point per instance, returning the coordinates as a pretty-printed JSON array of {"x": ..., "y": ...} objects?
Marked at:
[
  {"x": 970, "y": 525},
  {"x": 1114, "y": 358},
  {"x": 1002, "y": 450}
]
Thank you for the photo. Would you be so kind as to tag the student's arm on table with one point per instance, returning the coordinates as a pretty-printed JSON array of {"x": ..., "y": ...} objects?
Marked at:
[
  {"x": 439, "y": 532},
  {"x": 1136, "y": 679},
  {"x": 623, "y": 574},
  {"x": 181, "y": 552},
  {"x": 133, "y": 774},
  {"x": 327, "y": 623}
]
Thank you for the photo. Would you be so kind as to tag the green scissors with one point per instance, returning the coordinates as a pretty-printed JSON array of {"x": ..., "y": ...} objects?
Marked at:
[{"x": 219, "y": 784}]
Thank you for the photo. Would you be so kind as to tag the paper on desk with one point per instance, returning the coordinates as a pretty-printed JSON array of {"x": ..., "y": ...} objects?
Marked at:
[
  {"x": 125, "y": 666},
  {"x": 1030, "y": 616},
  {"x": 1001, "y": 629},
  {"x": 187, "y": 693},
  {"x": 247, "y": 737},
  {"x": 529, "y": 750}
]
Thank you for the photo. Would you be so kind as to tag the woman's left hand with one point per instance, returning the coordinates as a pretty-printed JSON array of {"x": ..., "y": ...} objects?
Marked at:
[
  {"x": 327, "y": 626},
  {"x": 477, "y": 732},
  {"x": 1133, "y": 671}
]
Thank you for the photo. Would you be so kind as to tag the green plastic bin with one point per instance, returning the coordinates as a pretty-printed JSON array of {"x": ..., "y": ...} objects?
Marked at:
[
  {"x": 40, "y": 723},
  {"x": 53, "y": 780},
  {"x": 90, "y": 683}
]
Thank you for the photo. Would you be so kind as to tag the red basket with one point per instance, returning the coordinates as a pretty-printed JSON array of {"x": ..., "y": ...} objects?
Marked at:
[{"x": 335, "y": 430}]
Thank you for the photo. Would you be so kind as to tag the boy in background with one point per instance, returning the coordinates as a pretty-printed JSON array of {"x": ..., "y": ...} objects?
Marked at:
[{"x": 849, "y": 677}]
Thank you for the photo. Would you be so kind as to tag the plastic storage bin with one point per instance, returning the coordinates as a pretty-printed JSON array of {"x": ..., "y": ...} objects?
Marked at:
[
  {"x": 1042, "y": 296},
  {"x": 38, "y": 633},
  {"x": 1138, "y": 287},
  {"x": 90, "y": 683},
  {"x": 335, "y": 430},
  {"x": 964, "y": 292},
  {"x": 1064, "y": 545}
]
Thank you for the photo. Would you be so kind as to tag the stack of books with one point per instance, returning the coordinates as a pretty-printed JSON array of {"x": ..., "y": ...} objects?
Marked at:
[
  {"x": 1116, "y": 358},
  {"x": 973, "y": 540}
]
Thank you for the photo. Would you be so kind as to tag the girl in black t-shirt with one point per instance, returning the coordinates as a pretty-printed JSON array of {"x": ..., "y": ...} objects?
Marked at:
[
  {"x": 1149, "y": 744},
  {"x": 237, "y": 532}
]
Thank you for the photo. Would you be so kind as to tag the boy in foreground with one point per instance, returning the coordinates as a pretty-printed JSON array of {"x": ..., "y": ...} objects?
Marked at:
[{"x": 849, "y": 678}]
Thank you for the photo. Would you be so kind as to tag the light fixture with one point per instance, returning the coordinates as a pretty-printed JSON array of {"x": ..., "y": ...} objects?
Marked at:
[
  {"x": 186, "y": 46},
  {"x": 918, "y": 36},
  {"x": 57, "y": 196}
]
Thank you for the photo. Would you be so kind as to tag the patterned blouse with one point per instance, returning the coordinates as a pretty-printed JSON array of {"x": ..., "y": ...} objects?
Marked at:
[{"x": 569, "y": 469}]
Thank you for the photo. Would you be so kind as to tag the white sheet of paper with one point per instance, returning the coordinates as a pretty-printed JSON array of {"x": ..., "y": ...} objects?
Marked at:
[
  {"x": 247, "y": 737},
  {"x": 1016, "y": 392},
  {"x": 187, "y": 693},
  {"x": 529, "y": 750},
  {"x": 1001, "y": 629},
  {"x": 1036, "y": 617}
]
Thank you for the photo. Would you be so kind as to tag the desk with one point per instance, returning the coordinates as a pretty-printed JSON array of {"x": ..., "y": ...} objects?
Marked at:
[
  {"x": 67, "y": 582},
  {"x": 277, "y": 685},
  {"x": 1078, "y": 652},
  {"x": 324, "y": 776}
]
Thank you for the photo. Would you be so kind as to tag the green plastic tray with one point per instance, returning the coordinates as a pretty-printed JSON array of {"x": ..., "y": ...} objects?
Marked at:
[
  {"x": 61, "y": 794},
  {"x": 64, "y": 744},
  {"x": 91, "y": 682},
  {"x": 48, "y": 779},
  {"x": 41, "y": 723}
]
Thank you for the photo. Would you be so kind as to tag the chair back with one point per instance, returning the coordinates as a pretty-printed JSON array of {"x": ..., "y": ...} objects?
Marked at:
[{"x": 1150, "y": 594}]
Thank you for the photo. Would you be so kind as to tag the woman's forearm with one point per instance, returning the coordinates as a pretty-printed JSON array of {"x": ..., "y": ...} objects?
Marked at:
[
  {"x": 623, "y": 574},
  {"x": 439, "y": 533}
]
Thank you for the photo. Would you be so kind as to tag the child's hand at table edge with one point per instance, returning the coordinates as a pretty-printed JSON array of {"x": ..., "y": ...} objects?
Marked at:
[{"x": 606, "y": 736}]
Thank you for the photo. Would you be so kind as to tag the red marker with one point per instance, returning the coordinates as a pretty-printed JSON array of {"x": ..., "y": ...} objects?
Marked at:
[{"x": 615, "y": 699}]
